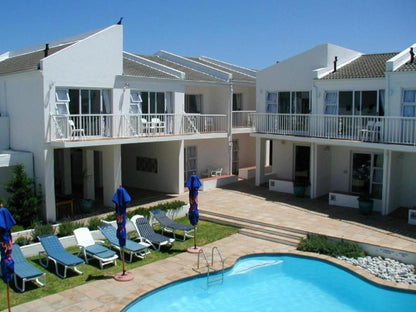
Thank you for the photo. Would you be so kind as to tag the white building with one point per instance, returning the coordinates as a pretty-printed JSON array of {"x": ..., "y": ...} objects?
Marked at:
[
  {"x": 93, "y": 117},
  {"x": 343, "y": 121}
]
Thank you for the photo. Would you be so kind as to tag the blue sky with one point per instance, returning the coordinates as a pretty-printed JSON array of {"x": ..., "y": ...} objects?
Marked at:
[{"x": 248, "y": 33}]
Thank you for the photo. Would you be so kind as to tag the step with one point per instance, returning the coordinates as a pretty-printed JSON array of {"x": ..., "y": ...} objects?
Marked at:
[{"x": 270, "y": 232}]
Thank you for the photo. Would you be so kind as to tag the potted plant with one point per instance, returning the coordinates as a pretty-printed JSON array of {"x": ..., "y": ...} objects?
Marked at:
[
  {"x": 299, "y": 187},
  {"x": 365, "y": 204}
]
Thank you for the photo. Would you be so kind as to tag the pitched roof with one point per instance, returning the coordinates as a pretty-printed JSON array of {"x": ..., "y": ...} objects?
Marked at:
[
  {"x": 26, "y": 62},
  {"x": 237, "y": 76},
  {"x": 132, "y": 68},
  {"x": 190, "y": 74},
  {"x": 366, "y": 66},
  {"x": 407, "y": 67}
]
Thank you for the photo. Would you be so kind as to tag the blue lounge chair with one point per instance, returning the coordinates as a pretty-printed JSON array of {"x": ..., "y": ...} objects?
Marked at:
[
  {"x": 170, "y": 225},
  {"x": 91, "y": 248},
  {"x": 25, "y": 271},
  {"x": 134, "y": 249},
  {"x": 56, "y": 252},
  {"x": 148, "y": 235}
]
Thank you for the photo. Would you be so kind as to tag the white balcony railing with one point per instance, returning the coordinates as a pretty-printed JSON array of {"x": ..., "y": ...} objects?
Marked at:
[
  {"x": 394, "y": 130},
  {"x": 96, "y": 126},
  {"x": 243, "y": 119}
]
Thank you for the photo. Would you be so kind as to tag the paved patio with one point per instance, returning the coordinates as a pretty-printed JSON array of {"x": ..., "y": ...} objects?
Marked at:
[{"x": 244, "y": 200}]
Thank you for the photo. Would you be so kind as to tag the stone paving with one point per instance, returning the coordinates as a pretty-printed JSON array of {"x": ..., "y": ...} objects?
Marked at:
[{"x": 245, "y": 202}]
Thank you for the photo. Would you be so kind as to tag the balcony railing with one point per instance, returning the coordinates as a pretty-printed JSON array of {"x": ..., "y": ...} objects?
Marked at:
[
  {"x": 96, "y": 126},
  {"x": 394, "y": 130},
  {"x": 243, "y": 119}
]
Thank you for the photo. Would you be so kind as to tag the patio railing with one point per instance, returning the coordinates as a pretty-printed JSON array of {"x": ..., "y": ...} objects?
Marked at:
[
  {"x": 395, "y": 130},
  {"x": 95, "y": 126},
  {"x": 243, "y": 119}
]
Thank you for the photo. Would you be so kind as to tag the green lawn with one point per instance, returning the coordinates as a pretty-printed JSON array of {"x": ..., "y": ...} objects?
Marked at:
[{"x": 207, "y": 232}]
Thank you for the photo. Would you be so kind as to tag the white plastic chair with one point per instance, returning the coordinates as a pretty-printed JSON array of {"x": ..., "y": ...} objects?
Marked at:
[{"x": 74, "y": 132}]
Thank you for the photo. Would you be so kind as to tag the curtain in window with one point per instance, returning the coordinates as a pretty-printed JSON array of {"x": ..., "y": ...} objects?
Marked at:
[
  {"x": 409, "y": 103},
  {"x": 271, "y": 102},
  {"x": 409, "y": 96},
  {"x": 331, "y": 103}
]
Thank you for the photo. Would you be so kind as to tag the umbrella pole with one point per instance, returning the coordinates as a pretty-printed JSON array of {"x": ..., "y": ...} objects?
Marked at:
[
  {"x": 122, "y": 260},
  {"x": 8, "y": 297},
  {"x": 194, "y": 236}
]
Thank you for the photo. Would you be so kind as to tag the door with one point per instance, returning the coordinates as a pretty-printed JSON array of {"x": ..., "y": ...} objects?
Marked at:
[{"x": 302, "y": 163}]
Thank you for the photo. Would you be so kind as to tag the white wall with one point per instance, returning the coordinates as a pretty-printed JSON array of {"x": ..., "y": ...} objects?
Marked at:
[
  {"x": 323, "y": 167},
  {"x": 167, "y": 177},
  {"x": 282, "y": 163},
  {"x": 396, "y": 82},
  {"x": 247, "y": 154},
  {"x": 215, "y": 99},
  {"x": 408, "y": 179},
  {"x": 249, "y": 96},
  {"x": 340, "y": 168}
]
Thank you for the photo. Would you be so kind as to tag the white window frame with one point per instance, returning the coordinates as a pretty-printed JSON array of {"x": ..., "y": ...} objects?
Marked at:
[{"x": 62, "y": 101}]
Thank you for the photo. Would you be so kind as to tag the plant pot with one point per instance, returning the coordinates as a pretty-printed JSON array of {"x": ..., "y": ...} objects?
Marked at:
[
  {"x": 366, "y": 206},
  {"x": 299, "y": 190},
  {"x": 86, "y": 205}
]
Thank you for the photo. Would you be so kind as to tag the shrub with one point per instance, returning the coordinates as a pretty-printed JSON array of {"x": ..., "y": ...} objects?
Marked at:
[
  {"x": 67, "y": 228},
  {"x": 21, "y": 241},
  {"x": 23, "y": 202},
  {"x": 17, "y": 228},
  {"x": 93, "y": 223},
  {"x": 42, "y": 229},
  {"x": 322, "y": 245}
]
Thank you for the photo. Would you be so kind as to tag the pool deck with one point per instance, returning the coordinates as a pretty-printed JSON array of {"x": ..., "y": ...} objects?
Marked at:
[{"x": 244, "y": 201}]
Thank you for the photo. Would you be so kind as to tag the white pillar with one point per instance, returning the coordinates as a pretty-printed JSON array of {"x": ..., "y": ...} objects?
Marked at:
[
  {"x": 313, "y": 169},
  {"x": 88, "y": 173},
  {"x": 111, "y": 172},
  {"x": 385, "y": 203},
  {"x": 48, "y": 187},
  {"x": 260, "y": 159}
]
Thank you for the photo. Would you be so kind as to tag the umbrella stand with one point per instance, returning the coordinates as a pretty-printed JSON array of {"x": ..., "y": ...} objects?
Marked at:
[
  {"x": 125, "y": 276},
  {"x": 194, "y": 249}
]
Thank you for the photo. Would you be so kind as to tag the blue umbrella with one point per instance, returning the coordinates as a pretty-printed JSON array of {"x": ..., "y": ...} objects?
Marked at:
[
  {"x": 7, "y": 263},
  {"x": 193, "y": 184},
  {"x": 121, "y": 198}
]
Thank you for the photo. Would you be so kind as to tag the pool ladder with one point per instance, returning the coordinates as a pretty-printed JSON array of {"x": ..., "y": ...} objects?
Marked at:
[{"x": 211, "y": 279}]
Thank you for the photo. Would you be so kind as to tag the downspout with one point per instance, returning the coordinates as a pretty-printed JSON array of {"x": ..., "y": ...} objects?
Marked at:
[{"x": 230, "y": 129}]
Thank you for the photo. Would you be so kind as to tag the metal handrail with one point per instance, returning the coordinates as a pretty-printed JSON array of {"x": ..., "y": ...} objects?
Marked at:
[{"x": 222, "y": 260}]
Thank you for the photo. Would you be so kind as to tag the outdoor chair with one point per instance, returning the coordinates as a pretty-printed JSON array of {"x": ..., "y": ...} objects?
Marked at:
[
  {"x": 25, "y": 271},
  {"x": 133, "y": 248},
  {"x": 93, "y": 249},
  {"x": 157, "y": 125},
  {"x": 74, "y": 132},
  {"x": 372, "y": 131},
  {"x": 53, "y": 250},
  {"x": 148, "y": 235},
  {"x": 170, "y": 225}
]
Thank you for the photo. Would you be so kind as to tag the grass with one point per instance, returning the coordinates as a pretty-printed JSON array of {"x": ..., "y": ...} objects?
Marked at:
[{"x": 208, "y": 232}]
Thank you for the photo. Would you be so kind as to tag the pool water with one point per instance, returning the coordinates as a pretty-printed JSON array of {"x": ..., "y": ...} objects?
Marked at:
[{"x": 277, "y": 283}]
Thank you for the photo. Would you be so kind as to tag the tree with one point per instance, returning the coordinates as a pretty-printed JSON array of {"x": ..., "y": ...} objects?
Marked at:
[{"x": 23, "y": 202}]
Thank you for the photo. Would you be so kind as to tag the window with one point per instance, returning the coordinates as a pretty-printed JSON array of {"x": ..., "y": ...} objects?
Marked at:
[
  {"x": 364, "y": 103},
  {"x": 62, "y": 100},
  {"x": 300, "y": 102},
  {"x": 367, "y": 174},
  {"x": 193, "y": 103},
  {"x": 153, "y": 102},
  {"x": 88, "y": 101},
  {"x": 146, "y": 164},
  {"x": 237, "y": 102},
  {"x": 190, "y": 160},
  {"x": 135, "y": 102},
  {"x": 271, "y": 102},
  {"x": 409, "y": 103},
  {"x": 283, "y": 103}
]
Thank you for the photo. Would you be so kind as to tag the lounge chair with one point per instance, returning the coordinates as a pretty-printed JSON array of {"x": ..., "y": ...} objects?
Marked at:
[
  {"x": 170, "y": 225},
  {"x": 148, "y": 235},
  {"x": 133, "y": 248},
  {"x": 53, "y": 250},
  {"x": 91, "y": 248},
  {"x": 25, "y": 271}
]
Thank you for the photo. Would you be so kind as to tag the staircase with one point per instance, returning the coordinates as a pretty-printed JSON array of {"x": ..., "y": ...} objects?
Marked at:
[{"x": 271, "y": 232}]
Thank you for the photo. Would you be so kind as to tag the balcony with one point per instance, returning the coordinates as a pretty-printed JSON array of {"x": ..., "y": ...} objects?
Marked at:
[
  {"x": 375, "y": 129},
  {"x": 119, "y": 126},
  {"x": 243, "y": 119}
]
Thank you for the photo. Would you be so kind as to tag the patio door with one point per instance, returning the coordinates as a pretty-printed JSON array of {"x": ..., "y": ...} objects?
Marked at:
[
  {"x": 236, "y": 150},
  {"x": 190, "y": 160},
  {"x": 302, "y": 163}
]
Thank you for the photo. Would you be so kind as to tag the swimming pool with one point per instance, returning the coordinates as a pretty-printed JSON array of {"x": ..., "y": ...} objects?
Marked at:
[{"x": 277, "y": 283}]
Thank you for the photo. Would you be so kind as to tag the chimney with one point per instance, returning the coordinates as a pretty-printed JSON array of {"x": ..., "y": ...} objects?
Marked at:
[
  {"x": 335, "y": 64},
  {"x": 412, "y": 56},
  {"x": 46, "y": 51}
]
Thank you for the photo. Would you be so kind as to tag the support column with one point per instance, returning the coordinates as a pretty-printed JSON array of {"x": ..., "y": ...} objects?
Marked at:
[
  {"x": 260, "y": 159},
  {"x": 230, "y": 130},
  {"x": 88, "y": 173},
  {"x": 385, "y": 203},
  {"x": 313, "y": 170},
  {"x": 111, "y": 172}
]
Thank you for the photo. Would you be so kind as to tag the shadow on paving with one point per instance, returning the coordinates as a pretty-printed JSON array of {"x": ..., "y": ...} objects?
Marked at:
[{"x": 396, "y": 222}]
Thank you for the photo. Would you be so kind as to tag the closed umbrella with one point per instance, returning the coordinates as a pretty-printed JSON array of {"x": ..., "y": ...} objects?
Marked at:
[
  {"x": 7, "y": 263},
  {"x": 121, "y": 199},
  {"x": 193, "y": 184}
]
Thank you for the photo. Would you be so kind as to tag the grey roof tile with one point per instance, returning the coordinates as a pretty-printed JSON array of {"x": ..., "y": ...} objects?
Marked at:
[
  {"x": 407, "y": 67},
  {"x": 366, "y": 66},
  {"x": 26, "y": 62},
  {"x": 237, "y": 76},
  {"x": 190, "y": 74},
  {"x": 132, "y": 68}
]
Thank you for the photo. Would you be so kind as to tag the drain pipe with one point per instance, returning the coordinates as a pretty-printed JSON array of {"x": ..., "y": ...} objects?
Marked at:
[{"x": 230, "y": 129}]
